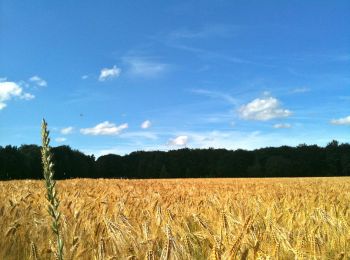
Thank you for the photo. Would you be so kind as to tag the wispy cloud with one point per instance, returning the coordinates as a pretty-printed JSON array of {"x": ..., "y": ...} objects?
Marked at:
[
  {"x": 225, "y": 139},
  {"x": 282, "y": 125},
  {"x": 213, "y": 55},
  {"x": 212, "y": 30},
  {"x": 341, "y": 121},
  {"x": 104, "y": 128},
  {"x": 85, "y": 77},
  {"x": 111, "y": 73},
  {"x": 239, "y": 140},
  {"x": 85, "y": 95},
  {"x": 67, "y": 130},
  {"x": 38, "y": 81},
  {"x": 27, "y": 96},
  {"x": 216, "y": 94},
  {"x": 300, "y": 90},
  {"x": 146, "y": 124},
  {"x": 10, "y": 90},
  {"x": 330, "y": 57},
  {"x": 144, "y": 67},
  {"x": 342, "y": 57},
  {"x": 263, "y": 109},
  {"x": 143, "y": 134},
  {"x": 216, "y": 118},
  {"x": 344, "y": 98}
]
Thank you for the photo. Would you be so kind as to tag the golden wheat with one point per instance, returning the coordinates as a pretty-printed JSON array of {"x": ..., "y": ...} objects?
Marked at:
[{"x": 305, "y": 218}]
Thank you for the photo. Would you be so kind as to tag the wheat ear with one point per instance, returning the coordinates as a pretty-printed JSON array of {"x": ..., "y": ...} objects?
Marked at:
[{"x": 46, "y": 158}]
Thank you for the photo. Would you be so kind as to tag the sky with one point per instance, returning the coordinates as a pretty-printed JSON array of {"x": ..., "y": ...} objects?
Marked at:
[{"x": 124, "y": 76}]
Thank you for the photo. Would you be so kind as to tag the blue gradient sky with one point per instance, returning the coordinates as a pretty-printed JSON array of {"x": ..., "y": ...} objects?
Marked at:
[{"x": 120, "y": 76}]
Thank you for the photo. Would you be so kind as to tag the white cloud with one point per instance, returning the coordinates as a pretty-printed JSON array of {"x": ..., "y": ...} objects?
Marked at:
[
  {"x": 286, "y": 125},
  {"x": 109, "y": 73},
  {"x": 38, "y": 81},
  {"x": 100, "y": 151},
  {"x": 181, "y": 140},
  {"x": 67, "y": 130},
  {"x": 144, "y": 67},
  {"x": 263, "y": 109},
  {"x": 27, "y": 96},
  {"x": 341, "y": 121},
  {"x": 2, "y": 79},
  {"x": 60, "y": 139},
  {"x": 10, "y": 90},
  {"x": 146, "y": 124},
  {"x": 84, "y": 76},
  {"x": 104, "y": 128}
]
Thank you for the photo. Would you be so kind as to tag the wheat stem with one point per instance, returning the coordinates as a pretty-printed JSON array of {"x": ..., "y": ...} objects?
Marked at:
[{"x": 50, "y": 184}]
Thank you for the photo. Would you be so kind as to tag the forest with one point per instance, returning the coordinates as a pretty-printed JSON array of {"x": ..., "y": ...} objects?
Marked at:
[{"x": 24, "y": 162}]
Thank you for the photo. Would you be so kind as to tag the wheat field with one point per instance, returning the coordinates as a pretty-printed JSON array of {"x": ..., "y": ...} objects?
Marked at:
[{"x": 306, "y": 218}]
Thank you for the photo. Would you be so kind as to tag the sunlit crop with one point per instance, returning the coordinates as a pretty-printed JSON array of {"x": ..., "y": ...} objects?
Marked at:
[{"x": 180, "y": 219}]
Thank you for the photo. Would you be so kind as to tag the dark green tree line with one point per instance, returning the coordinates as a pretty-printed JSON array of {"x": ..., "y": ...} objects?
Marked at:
[{"x": 24, "y": 162}]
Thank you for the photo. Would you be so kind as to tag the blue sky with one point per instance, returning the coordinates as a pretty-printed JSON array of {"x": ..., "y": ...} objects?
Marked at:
[{"x": 121, "y": 76}]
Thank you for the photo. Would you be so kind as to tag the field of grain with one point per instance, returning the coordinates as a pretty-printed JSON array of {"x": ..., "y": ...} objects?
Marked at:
[{"x": 305, "y": 218}]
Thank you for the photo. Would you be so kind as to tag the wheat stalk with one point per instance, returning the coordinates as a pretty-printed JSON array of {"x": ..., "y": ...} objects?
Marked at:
[
  {"x": 50, "y": 184},
  {"x": 150, "y": 255},
  {"x": 34, "y": 251}
]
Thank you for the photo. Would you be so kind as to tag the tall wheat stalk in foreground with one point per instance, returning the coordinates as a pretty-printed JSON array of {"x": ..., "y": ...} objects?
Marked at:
[{"x": 46, "y": 157}]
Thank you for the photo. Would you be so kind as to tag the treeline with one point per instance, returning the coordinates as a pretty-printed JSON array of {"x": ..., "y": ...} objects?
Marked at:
[{"x": 24, "y": 162}]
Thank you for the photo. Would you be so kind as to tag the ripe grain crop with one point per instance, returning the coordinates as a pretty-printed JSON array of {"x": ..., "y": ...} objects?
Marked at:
[{"x": 306, "y": 218}]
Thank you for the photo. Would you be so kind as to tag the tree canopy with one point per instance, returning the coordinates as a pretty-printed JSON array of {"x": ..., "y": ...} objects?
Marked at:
[{"x": 24, "y": 162}]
